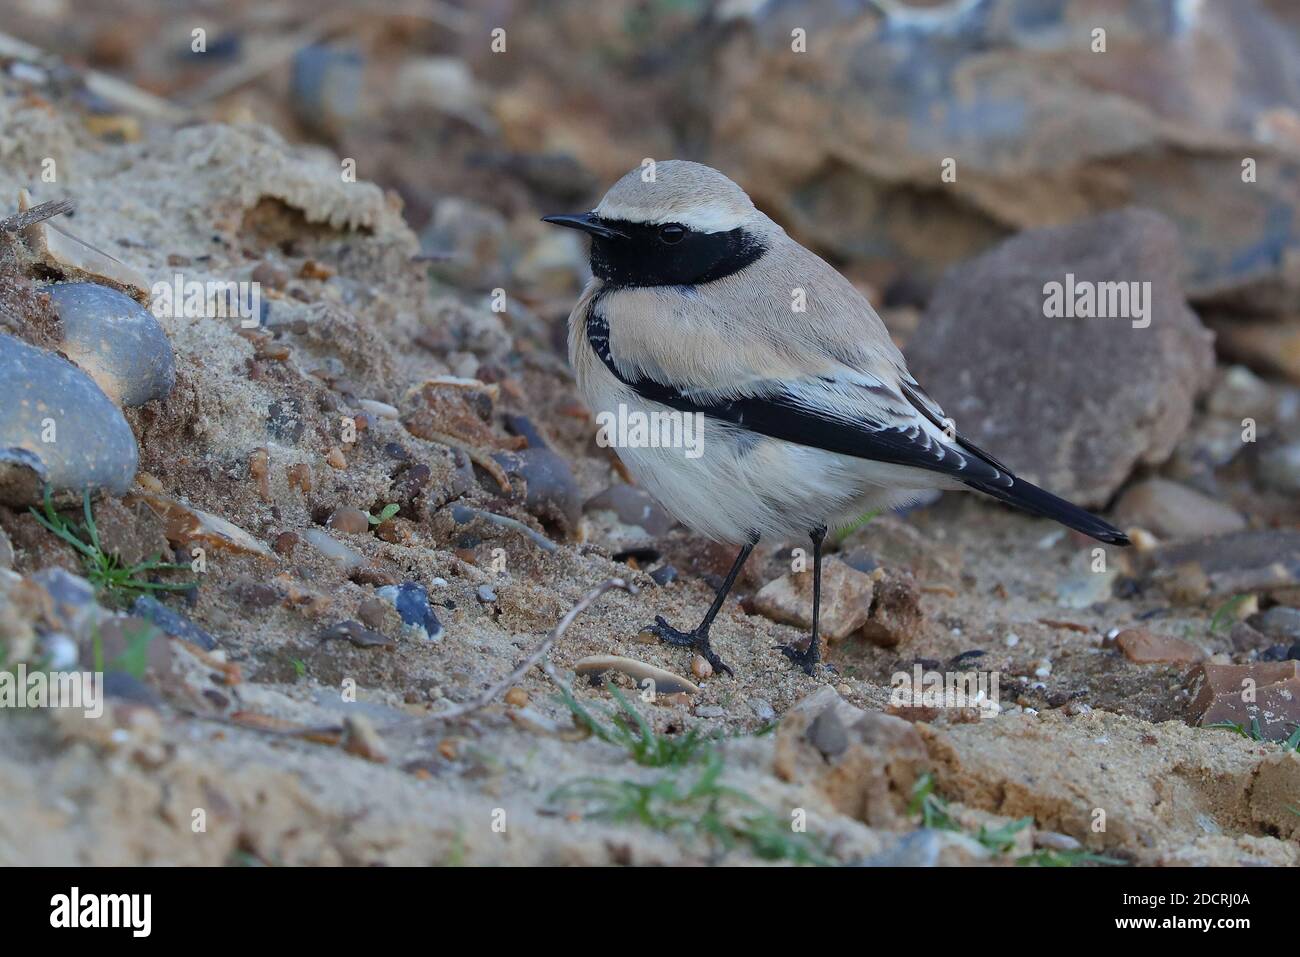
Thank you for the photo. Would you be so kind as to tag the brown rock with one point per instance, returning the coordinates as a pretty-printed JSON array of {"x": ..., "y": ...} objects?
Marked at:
[
  {"x": 896, "y": 614},
  {"x": 350, "y": 520},
  {"x": 1267, "y": 692},
  {"x": 987, "y": 326},
  {"x": 845, "y": 604},
  {"x": 1148, "y": 648},
  {"x": 864, "y": 763}
]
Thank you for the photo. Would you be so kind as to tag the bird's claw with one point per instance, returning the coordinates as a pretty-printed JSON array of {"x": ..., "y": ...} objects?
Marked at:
[
  {"x": 694, "y": 640},
  {"x": 806, "y": 659}
]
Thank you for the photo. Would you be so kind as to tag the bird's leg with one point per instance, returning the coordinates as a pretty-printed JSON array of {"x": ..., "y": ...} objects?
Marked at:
[
  {"x": 807, "y": 659},
  {"x": 699, "y": 638}
]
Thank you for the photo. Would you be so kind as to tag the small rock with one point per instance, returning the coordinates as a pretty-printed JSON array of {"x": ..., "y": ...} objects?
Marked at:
[
  {"x": 551, "y": 491},
  {"x": 1173, "y": 511},
  {"x": 845, "y": 601},
  {"x": 116, "y": 341},
  {"x": 284, "y": 420},
  {"x": 664, "y": 575},
  {"x": 827, "y": 734},
  {"x": 1217, "y": 696},
  {"x": 701, "y": 668},
  {"x": 354, "y": 632},
  {"x": 1148, "y": 648},
  {"x": 361, "y": 738},
  {"x": 352, "y": 521},
  {"x": 1279, "y": 467},
  {"x": 762, "y": 709},
  {"x": 868, "y": 773},
  {"x": 372, "y": 612},
  {"x": 411, "y": 600},
  {"x": 332, "y": 548},
  {"x": 171, "y": 622},
  {"x": 58, "y": 427},
  {"x": 486, "y": 594},
  {"x": 517, "y": 697},
  {"x": 632, "y": 506},
  {"x": 896, "y": 615},
  {"x": 285, "y": 543},
  {"x": 1055, "y": 841},
  {"x": 1279, "y": 623},
  {"x": 1245, "y": 638},
  {"x": 6, "y": 551},
  {"x": 710, "y": 711},
  {"x": 1264, "y": 560}
]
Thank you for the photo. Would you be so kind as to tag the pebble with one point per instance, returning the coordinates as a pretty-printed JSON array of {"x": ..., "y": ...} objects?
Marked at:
[
  {"x": 700, "y": 667},
  {"x": 355, "y": 632},
  {"x": 372, "y": 612},
  {"x": 411, "y": 600},
  {"x": 332, "y": 548},
  {"x": 284, "y": 420},
  {"x": 6, "y": 551},
  {"x": 1148, "y": 648},
  {"x": 709, "y": 711},
  {"x": 517, "y": 697},
  {"x": 285, "y": 543},
  {"x": 845, "y": 605},
  {"x": 486, "y": 594},
  {"x": 353, "y": 521},
  {"x": 1279, "y": 623},
  {"x": 632, "y": 506},
  {"x": 1279, "y": 468},
  {"x": 336, "y": 459},
  {"x": 46, "y": 397},
  {"x": 762, "y": 709},
  {"x": 1174, "y": 511},
  {"x": 172, "y": 622},
  {"x": 116, "y": 341},
  {"x": 664, "y": 575}
]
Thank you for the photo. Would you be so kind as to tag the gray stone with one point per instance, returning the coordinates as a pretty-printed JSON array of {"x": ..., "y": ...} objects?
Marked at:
[
  {"x": 1279, "y": 623},
  {"x": 632, "y": 506},
  {"x": 116, "y": 341},
  {"x": 411, "y": 599},
  {"x": 1265, "y": 560},
  {"x": 1170, "y": 510},
  {"x": 93, "y": 446},
  {"x": 1279, "y": 467},
  {"x": 1072, "y": 404},
  {"x": 172, "y": 622}
]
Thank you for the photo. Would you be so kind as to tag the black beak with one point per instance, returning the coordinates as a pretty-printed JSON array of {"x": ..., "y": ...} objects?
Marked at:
[{"x": 587, "y": 222}]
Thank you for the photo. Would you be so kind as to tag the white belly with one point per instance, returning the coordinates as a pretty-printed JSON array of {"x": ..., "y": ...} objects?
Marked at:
[{"x": 732, "y": 486}]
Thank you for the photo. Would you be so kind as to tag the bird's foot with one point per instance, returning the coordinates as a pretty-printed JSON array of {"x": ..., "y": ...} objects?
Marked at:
[
  {"x": 696, "y": 640},
  {"x": 806, "y": 659}
]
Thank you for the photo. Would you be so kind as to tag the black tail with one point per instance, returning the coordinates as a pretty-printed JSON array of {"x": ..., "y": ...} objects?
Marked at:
[{"x": 1033, "y": 499}]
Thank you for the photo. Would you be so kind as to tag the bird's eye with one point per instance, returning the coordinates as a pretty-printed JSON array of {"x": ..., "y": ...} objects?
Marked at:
[{"x": 671, "y": 233}]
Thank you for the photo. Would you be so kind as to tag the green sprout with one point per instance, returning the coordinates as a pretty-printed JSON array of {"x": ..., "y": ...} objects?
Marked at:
[
  {"x": 934, "y": 813},
  {"x": 1226, "y": 612},
  {"x": 1255, "y": 733},
  {"x": 385, "y": 514},
  {"x": 627, "y": 729},
  {"x": 106, "y": 570},
  {"x": 697, "y": 806}
]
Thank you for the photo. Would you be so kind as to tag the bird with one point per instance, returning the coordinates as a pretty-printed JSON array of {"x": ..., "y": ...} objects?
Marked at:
[{"x": 700, "y": 305}]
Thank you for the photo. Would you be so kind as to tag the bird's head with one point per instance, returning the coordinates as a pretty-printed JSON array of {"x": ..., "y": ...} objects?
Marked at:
[{"x": 672, "y": 224}]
